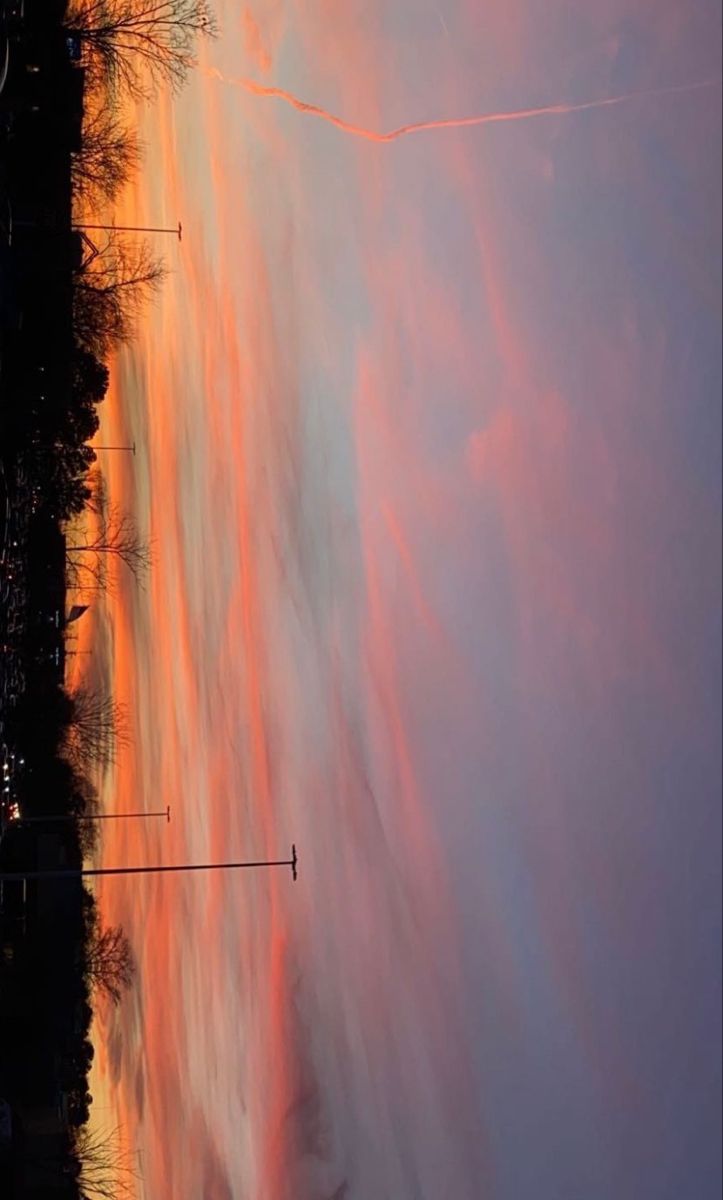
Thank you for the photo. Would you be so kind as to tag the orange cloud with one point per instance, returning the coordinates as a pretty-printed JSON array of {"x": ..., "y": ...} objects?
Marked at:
[{"x": 253, "y": 41}]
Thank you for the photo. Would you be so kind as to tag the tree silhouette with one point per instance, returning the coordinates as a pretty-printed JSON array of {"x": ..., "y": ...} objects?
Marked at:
[
  {"x": 117, "y": 539},
  {"x": 97, "y": 502},
  {"x": 110, "y": 292},
  {"x": 135, "y": 45},
  {"x": 88, "y": 837},
  {"x": 109, "y": 155},
  {"x": 109, "y": 963},
  {"x": 73, "y": 424},
  {"x": 89, "y": 377},
  {"x": 61, "y": 469},
  {"x": 95, "y": 727},
  {"x": 94, "y": 1162},
  {"x": 82, "y": 800},
  {"x": 104, "y": 1168}
]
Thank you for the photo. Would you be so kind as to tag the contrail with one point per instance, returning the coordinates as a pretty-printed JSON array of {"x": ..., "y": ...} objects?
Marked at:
[{"x": 491, "y": 118}]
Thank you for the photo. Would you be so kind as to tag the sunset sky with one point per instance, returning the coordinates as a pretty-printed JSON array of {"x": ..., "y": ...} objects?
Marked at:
[{"x": 429, "y": 448}]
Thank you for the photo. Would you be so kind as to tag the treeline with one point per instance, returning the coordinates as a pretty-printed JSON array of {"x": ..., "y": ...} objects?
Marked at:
[
  {"x": 94, "y": 55},
  {"x": 66, "y": 736},
  {"x": 62, "y": 956},
  {"x": 75, "y": 296},
  {"x": 47, "y": 996}
]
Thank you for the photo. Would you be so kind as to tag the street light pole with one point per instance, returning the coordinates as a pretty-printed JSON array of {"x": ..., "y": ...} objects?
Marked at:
[
  {"x": 83, "y": 872},
  {"x": 177, "y": 230},
  {"x": 165, "y": 812}
]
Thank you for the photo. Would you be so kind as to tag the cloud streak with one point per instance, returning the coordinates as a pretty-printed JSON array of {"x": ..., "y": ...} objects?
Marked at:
[{"x": 474, "y": 121}]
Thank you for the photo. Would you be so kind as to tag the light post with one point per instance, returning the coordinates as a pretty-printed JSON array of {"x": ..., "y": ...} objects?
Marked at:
[
  {"x": 177, "y": 230},
  {"x": 83, "y": 872},
  {"x": 126, "y": 816}
]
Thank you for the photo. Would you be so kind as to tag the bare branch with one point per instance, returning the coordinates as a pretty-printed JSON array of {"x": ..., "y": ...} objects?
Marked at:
[
  {"x": 109, "y": 155},
  {"x": 136, "y": 45},
  {"x": 109, "y": 295},
  {"x": 98, "y": 492},
  {"x": 87, "y": 554},
  {"x": 109, "y": 963},
  {"x": 97, "y": 727},
  {"x": 105, "y": 1167},
  {"x": 88, "y": 838}
]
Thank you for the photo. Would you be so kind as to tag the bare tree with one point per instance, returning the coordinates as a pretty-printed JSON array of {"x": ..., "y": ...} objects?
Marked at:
[
  {"x": 135, "y": 45},
  {"x": 97, "y": 1162},
  {"x": 109, "y": 294},
  {"x": 109, "y": 155},
  {"x": 88, "y": 837},
  {"x": 96, "y": 727},
  {"x": 97, "y": 501},
  {"x": 109, "y": 963},
  {"x": 84, "y": 800},
  {"x": 88, "y": 553},
  {"x": 104, "y": 1165}
]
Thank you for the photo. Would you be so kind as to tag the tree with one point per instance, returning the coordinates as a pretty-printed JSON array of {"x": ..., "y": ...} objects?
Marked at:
[
  {"x": 116, "y": 540},
  {"x": 79, "y": 1108},
  {"x": 109, "y": 963},
  {"x": 95, "y": 727},
  {"x": 135, "y": 45},
  {"x": 108, "y": 295},
  {"x": 73, "y": 424},
  {"x": 89, "y": 377},
  {"x": 108, "y": 156},
  {"x": 103, "y": 1166},
  {"x": 82, "y": 797},
  {"x": 61, "y": 471},
  {"x": 97, "y": 501},
  {"x": 88, "y": 837},
  {"x": 94, "y": 1162}
]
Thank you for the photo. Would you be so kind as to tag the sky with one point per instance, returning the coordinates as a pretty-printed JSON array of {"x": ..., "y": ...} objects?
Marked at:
[{"x": 429, "y": 452}]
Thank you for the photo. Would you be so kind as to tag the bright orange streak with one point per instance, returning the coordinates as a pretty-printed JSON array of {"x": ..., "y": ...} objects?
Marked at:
[{"x": 494, "y": 118}]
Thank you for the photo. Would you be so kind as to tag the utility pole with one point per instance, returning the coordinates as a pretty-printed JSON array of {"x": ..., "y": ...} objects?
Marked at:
[
  {"x": 177, "y": 230},
  {"x": 125, "y": 816},
  {"x": 83, "y": 872}
]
